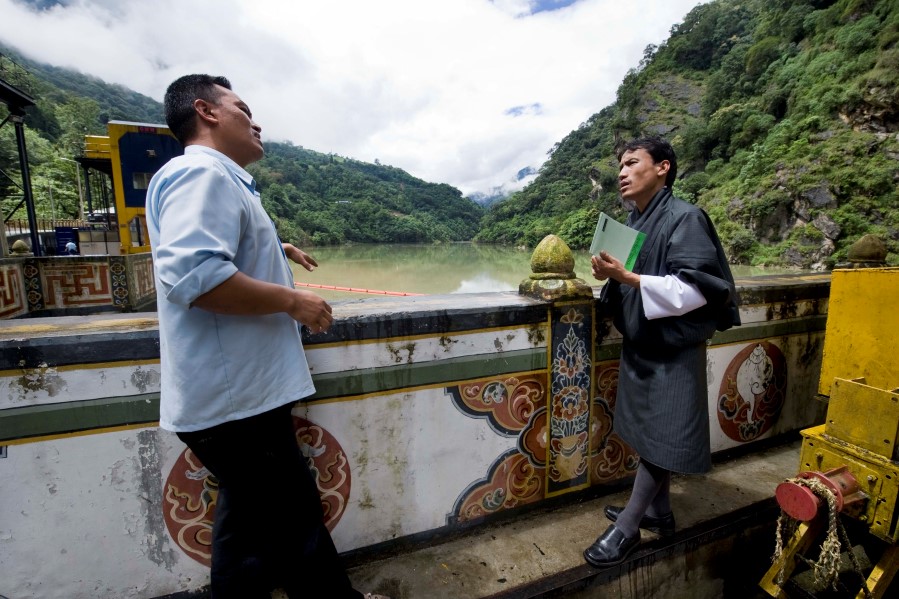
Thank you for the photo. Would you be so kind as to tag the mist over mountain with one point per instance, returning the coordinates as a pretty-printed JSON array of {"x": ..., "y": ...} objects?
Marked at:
[{"x": 522, "y": 178}]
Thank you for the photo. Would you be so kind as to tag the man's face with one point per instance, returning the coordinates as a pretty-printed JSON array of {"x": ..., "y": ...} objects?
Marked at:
[
  {"x": 640, "y": 178},
  {"x": 237, "y": 135}
]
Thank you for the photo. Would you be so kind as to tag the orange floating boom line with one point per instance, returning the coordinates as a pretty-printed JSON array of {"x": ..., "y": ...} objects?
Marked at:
[{"x": 354, "y": 289}]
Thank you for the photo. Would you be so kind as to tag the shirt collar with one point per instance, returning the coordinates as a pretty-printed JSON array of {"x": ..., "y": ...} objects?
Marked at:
[{"x": 242, "y": 174}]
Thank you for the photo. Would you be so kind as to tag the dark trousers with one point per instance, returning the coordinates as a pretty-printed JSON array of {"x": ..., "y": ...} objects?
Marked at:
[{"x": 269, "y": 527}]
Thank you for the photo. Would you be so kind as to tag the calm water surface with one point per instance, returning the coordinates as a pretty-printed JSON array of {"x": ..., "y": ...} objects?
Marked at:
[{"x": 431, "y": 269}]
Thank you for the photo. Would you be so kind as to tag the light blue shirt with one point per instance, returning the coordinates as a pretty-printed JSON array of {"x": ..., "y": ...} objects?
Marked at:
[{"x": 206, "y": 222}]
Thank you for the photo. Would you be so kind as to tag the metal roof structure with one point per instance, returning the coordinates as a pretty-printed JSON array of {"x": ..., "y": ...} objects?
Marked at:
[{"x": 13, "y": 78}]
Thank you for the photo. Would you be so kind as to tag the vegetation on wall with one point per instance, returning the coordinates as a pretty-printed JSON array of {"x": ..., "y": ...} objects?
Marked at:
[{"x": 785, "y": 117}]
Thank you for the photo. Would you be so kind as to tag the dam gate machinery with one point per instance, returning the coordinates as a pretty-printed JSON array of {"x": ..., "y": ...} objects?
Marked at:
[{"x": 848, "y": 480}]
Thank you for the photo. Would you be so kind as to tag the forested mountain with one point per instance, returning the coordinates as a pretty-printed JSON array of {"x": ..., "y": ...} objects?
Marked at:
[
  {"x": 312, "y": 197},
  {"x": 784, "y": 114},
  {"x": 327, "y": 199},
  {"x": 785, "y": 117}
]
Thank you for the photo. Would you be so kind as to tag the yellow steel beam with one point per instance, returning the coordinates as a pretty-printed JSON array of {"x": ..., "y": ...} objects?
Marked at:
[
  {"x": 798, "y": 544},
  {"x": 880, "y": 578}
]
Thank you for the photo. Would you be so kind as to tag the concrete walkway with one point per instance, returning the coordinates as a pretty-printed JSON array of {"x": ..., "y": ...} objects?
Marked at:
[{"x": 540, "y": 554}]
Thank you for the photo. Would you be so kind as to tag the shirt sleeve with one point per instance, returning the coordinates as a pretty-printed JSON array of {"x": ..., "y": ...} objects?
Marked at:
[
  {"x": 668, "y": 296},
  {"x": 201, "y": 214}
]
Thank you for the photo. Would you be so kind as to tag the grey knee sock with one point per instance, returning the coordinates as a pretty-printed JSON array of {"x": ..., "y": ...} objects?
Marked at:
[
  {"x": 649, "y": 481},
  {"x": 661, "y": 503}
]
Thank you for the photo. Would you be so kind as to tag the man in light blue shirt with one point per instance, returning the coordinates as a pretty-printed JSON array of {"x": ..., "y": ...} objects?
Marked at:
[
  {"x": 207, "y": 226},
  {"x": 230, "y": 347}
]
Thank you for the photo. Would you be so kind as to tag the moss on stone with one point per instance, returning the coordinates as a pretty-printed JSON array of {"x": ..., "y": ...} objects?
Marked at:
[{"x": 552, "y": 255}]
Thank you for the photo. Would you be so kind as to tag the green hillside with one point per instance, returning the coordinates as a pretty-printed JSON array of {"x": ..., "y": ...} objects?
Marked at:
[
  {"x": 784, "y": 114},
  {"x": 313, "y": 197},
  {"x": 326, "y": 199}
]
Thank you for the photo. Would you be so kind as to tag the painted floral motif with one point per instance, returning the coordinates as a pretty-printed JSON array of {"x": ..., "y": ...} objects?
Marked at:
[
  {"x": 600, "y": 425},
  {"x": 190, "y": 496},
  {"x": 329, "y": 466},
  {"x": 607, "y": 384},
  {"x": 571, "y": 361},
  {"x": 512, "y": 481},
  {"x": 553, "y": 432},
  {"x": 568, "y": 457},
  {"x": 569, "y": 410},
  {"x": 34, "y": 299},
  {"x": 33, "y": 285},
  {"x": 570, "y": 403},
  {"x": 534, "y": 439},
  {"x": 573, "y": 316},
  {"x": 191, "y": 490},
  {"x": 614, "y": 461},
  {"x": 610, "y": 458},
  {"x": 119, "y": 278},
  {"x": 507, "y": 404}
]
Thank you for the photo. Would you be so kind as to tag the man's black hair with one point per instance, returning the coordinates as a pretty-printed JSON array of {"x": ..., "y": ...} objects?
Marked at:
[
  {"x": 659, "y": 149},
  {"x": 179, "y": 102}
]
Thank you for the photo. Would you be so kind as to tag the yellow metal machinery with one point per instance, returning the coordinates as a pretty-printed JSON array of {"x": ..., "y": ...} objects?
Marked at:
[
  {"x": 851, "y": 462},
  {"x": 131, "y": 153}
]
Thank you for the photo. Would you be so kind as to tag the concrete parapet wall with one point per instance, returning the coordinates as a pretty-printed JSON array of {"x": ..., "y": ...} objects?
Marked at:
[{"x": 431, "y": 413}]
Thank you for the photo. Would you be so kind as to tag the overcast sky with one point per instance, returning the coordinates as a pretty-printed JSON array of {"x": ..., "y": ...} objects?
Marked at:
[{"x": 464, "y": 92}]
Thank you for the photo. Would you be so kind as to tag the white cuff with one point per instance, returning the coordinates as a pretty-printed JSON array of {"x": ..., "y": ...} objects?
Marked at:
[{"x": 668, "y": 296}]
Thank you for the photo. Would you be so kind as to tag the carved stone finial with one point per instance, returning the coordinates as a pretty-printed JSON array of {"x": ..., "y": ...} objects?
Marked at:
[
  {"x": 552, "y": 273},
  {"x": 19, "y": 248},
  {"x": 868, "y": 251},
  {"x": 552, "y": 259}
]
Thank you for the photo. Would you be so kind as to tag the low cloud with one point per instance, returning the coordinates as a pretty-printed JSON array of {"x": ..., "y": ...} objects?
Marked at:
[{"x": 464, "y": 92}]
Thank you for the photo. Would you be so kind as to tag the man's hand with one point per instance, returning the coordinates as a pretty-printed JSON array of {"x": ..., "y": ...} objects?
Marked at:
[
  {"x": 311, "y": 310},
  {"x": 299, "y": 256},
  {"x": 244, "y": 296},
  {"x": 606, "y": 266}
]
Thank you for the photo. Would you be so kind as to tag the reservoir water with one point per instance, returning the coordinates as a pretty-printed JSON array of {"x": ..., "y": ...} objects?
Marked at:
[{"x": 431, "y": 269}]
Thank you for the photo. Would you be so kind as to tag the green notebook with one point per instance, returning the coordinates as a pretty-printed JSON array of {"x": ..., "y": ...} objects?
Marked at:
[{"x": 619, "y": 240}]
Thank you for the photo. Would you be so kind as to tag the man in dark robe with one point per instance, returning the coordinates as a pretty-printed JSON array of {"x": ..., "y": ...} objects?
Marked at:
[{"x": 680, "y": 291}]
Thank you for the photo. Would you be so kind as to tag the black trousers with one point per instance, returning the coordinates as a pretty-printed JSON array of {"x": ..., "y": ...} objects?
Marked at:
[{"x": 269, "y": 527}]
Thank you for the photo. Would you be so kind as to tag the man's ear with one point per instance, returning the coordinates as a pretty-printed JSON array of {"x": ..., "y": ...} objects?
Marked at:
[
  {"x": 663, "y": 167},
  {"x": 205, "y": 110}
]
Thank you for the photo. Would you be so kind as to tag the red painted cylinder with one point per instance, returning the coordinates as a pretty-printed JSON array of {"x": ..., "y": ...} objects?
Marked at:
[
  {"x": 801, "y": 503},
  {"x": 797, "y": 501}
]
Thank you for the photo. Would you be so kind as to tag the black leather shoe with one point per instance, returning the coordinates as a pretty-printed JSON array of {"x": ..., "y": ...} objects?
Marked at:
[
  {"x": 611, "y": 548},
  {"x": 662, "y": 525}
]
